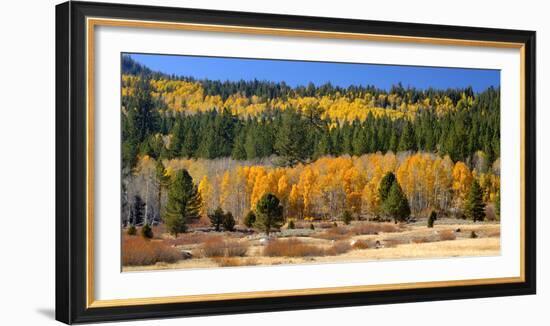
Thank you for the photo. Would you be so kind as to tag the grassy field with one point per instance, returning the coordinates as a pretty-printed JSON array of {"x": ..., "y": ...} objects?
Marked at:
[{"x": 325, "y": 243}]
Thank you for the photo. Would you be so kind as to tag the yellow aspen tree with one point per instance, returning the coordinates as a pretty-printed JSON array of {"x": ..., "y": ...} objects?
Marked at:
[
  {"x": 462, "y": 180},
  {"x": 205, "y": 190}
]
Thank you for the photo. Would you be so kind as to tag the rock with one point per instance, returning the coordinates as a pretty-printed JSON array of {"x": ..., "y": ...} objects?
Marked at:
[{"x": 186, "y": 254}]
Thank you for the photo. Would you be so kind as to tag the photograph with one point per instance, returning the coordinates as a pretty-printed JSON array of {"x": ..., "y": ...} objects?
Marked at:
[{"x": 231, "y": 162}]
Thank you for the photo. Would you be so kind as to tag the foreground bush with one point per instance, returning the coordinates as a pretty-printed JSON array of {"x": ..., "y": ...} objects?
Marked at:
[
  {"x": 147, "y": 232},
  {"x": 132, "y": 230},
  {"x": 291, "y": 248},
  {"x": 250, "y": 219},
  {"x": 447, "y": 235},
  {"x": 296, "y": 248},
  {"x": 335, "y": 233},
  {"x": 137, "y": 251},
  {"x": 218, "y": 247}
]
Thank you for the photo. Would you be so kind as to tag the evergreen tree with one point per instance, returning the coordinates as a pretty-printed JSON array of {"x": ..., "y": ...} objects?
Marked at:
[
  {"x": 346, "y": 217},
  {"x": 407, "y": 140},
  {"x": 216, "y": 219},
  {"x": 250, "y": 219},
  {"x": 228, "y": 222},
  {"x": 147, "y": 232},
  {"x": 163, "y": 181},
  {"x": 474, "y": 207},
  {"x": 269, "y": 213},
  {"x": 138, "y": 211},
  {"x": 396, "y": 204},
  {"x": 291, "y": 142},
  {"x": 385, "y": 185},
  {"x": 184, "y": 203},
  {"x": 431, "y": 219}
]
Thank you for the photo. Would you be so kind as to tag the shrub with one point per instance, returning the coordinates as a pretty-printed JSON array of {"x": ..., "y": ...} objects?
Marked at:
[
  {"x": 132, "y": 230},
  {"x": 338, "y": 248},
  {"x": 232, "y": 261},
  {"x": 250, "y": 219},
  {"x": 190, "y": 239},
  {"x": 346, "y": 217},
  {"x": 420, "y": 240},
  {"x": 363, "y": 244},
  {"x": 146, "y": 231},
  {"x": 335, "y": 233},
  {"x": 447, "y": 235},
  {"x": 228, "y": 222},
  {"x": 212, "y": 247},
  {"x": 217, "y": 247},
  {"x": 137, "y": 251},
  {"x": 291, "y": 225},
  {"x": 291, "y": 248},
  {"x": 431, "y": 219},
  {"x": 235, "y": 248},
  {"x": 374, "y": 228}
]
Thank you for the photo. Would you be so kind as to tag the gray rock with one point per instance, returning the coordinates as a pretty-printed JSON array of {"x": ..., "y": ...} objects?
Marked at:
[{"x": 186, "y": 254}]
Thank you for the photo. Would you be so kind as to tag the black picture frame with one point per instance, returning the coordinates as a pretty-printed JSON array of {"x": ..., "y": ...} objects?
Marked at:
[{"x": 71, "y": 158}]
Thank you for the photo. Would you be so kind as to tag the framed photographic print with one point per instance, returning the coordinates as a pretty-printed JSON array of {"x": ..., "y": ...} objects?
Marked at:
[{"x": 213, "y": 162}]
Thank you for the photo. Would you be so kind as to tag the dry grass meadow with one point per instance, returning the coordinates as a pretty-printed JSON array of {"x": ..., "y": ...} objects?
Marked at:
[{"x": 326, "y": 243}]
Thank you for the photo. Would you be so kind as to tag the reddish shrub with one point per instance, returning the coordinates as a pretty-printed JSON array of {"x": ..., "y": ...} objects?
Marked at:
[
  {"x": 218, "y": 247},
  {"x": 137, "y": 251},
  {"x": 446, "y": 235},
  {"x": 334, "y": 233},
  {"x": 374, "y": 228},
  {"x": 291, "y": 248},
  {"x": 338, "y": 248}
]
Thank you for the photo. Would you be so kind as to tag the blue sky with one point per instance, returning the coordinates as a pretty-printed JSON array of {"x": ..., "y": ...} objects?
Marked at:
[{"x": 296, "y": 73}]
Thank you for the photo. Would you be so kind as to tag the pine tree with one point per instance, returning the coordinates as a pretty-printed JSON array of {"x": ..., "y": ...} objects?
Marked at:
[
  {"x": 216, "y": 219},
  {"x": 385, "y": 185},
  {"x": 184, "y": 203},
  {"x": 269, "y": 213},
  {"x": 250, "y": 219},
  {"x": 474, "y": 207},
  {"x": 431, "y": 219},
  {"x": 138, "y": 210},
  {"x": 163, "y": 181},
  {"x": 346, "y": 217},
  {"x": 407, "y": 141},
  {"x": 396, "y": 204},
  {"x": 228, "y": 222},
  {"x": 147, "y": 232},
  {"x": 291, "y": 141}
]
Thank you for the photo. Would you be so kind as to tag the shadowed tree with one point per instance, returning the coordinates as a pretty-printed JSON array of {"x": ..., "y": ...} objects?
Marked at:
[
  {"x": 396, "y": 204},
  {"x": 184, "y": 203},
  {"x": 269, "y": 213},
  {"x": 474, "y": 207},
  {"x": 216, "y": 218}
]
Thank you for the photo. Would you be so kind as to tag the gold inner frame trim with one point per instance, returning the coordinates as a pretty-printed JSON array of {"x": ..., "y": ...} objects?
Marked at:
[{"x": 92, "y": 22}]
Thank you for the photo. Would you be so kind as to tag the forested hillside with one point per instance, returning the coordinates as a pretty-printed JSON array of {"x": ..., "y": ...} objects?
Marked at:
[{"x": 321, "y": 149}]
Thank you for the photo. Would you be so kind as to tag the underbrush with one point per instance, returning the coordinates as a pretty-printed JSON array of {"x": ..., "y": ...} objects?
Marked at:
[
  {"x": 297, "y": 248},
  {"x": 137, "y": 251},
  {"x": 375, "y": 228},
  {"x": 218, "y": 247},
  {"x": 334, "y": 233},
  {"x": 233, "y": 261}
]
